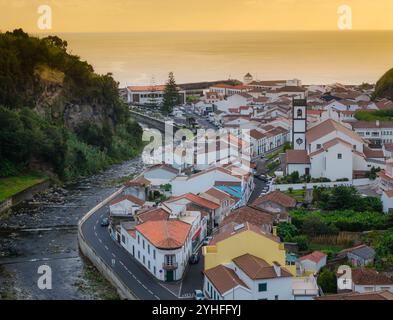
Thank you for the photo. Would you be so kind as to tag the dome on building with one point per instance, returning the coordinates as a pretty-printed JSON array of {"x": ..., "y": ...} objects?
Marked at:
[{"x": 247, "y": 78}]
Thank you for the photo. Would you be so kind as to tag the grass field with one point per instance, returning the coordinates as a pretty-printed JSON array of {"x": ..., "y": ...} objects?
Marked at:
[
  {"x": 12, "y": 185},
  {"x": 297, "y": 194}
]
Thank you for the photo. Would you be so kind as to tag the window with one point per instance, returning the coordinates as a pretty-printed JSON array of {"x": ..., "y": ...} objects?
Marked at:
[
  {"x": 148, "y": 248},
  {"x": 154, "y": 270},
  {"x": 143, "y": 244},
  {"x": 139, "y": 239},
  {"x": 299, "y": 113},
  {"x": 339, "y": 156},
  {"x": 123, "y": 238},
  {"x": 275, "y": 297},
  {"x": 262, "y": 287},
  {"x": 143, "y": 259},
  {"x": 139, "y": 254},
  {"x": 154, "y": 254},
  {"x": 318, "y": 146},
  {"x": 148, "y": 264}
]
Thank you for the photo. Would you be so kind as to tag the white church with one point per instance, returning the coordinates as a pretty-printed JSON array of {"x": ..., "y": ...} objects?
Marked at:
[{"x": 328, "y": 149}]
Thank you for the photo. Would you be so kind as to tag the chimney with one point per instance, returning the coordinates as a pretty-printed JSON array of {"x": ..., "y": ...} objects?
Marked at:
[
  {"x": 277, "y": 268},
  {"x": 274, "y": 231}
]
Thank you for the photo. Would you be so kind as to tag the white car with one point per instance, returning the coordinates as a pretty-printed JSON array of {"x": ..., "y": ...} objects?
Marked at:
[{"x": 198, "y": 295}]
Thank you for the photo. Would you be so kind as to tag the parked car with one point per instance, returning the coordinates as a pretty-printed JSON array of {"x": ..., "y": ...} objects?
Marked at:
[
  {"x": 194, "y": 259},
  {"x": 207, "y": 241},
  {"x": 104, "y": 222},
  {"x": 198, "y": 295}
]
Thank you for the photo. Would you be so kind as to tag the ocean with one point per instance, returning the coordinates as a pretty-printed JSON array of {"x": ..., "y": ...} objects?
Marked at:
[{"x": 350, "y": 57}]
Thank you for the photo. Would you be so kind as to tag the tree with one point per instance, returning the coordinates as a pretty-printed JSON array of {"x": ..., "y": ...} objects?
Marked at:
[
  {"x": 286, "y": 231},
  {"x": 302, "y": 242},
  {"x": 327, "y": 281},
  {"x": 171, "y": 95},
  {"x": 314, "y": 226}
]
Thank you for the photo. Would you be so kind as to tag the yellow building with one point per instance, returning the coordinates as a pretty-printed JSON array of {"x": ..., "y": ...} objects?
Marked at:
[{"x": 234, "y": 240}]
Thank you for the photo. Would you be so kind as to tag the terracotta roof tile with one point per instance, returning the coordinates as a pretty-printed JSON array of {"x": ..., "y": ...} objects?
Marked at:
[
  {"x": 364, "y": 276},
  {"x": 316, "y": 256},
  {"x": 130, "y": 198},
  {"x": 257, "y": 268},
  {"x": 373, "y": 153},
  {"x": 197, "y": 200},
  {"x": 223, "y": 278},
  {"x": 218, "y": 194},
  {"x": 165, "y": 234},
  {"x": 153, "y": 215},
  {"x": 328, "y": 126},
  {"x": 277, "y": 197},
  {"x": 378, "y": 295},
  {"x": 251, "y": 215},
  {"x": 297, "y": 157}
]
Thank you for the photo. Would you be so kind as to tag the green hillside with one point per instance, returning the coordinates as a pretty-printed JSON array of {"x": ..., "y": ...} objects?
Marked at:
[{"x": 57, "y": 115}]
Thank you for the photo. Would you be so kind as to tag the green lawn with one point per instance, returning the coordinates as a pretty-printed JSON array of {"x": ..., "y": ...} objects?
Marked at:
[
  {"x": 12, "y": 185},
  {"x": 326, "y": 247},
  {"x": 297, "y": 194}
]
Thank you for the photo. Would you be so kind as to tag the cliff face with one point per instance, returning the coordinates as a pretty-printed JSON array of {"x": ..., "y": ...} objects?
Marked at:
[
  {"x": 56, "y": 113},
  {"x": 384, "y": 86},
  {"x": 56, "y": 102}
]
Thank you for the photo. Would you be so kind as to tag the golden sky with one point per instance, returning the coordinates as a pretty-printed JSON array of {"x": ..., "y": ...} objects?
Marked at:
[{"x": 187, "y": 15}]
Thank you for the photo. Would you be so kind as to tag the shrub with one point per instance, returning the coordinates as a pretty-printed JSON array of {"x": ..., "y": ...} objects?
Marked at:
[{"x": 327, "y": 281}]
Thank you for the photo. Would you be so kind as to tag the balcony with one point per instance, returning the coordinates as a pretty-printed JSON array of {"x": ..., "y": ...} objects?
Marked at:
[
  {"x": 305, "y": 286},
  {"x": 170, "y": 266}
]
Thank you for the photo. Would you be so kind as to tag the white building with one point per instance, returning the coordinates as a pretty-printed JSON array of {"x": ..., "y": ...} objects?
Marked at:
[
  {"x": 369, "y": 280},
  {"x": 313, "y": 262},
  {"x": 163, "y": 247},
  {"x": 329, "y": 149},
  {"x": 160, "y": 174},
  {"x": 248, "y": 277},
  {"x": 150, "y": 95},
  {"x": 125, "y": 205},
  {"x": 377, "y": 132},
  {"x": 387, "y": 200},
  {"x": 204, "y": 180}
]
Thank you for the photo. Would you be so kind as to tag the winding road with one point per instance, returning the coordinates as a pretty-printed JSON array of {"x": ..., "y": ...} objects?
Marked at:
[{"x": 129, "y": 271}]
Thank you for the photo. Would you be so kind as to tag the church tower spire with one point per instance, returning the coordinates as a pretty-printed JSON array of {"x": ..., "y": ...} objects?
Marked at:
[{"x": 299, "y": 124}]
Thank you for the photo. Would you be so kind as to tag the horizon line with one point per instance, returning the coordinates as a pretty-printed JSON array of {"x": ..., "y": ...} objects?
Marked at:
[{"x": 207, "y": 31}]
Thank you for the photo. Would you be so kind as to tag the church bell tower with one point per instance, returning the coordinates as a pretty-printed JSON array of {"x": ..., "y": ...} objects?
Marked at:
[{"x": 299, "y": 124}]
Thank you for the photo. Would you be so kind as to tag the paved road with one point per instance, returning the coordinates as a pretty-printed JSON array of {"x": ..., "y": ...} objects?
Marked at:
[
  {"x": 259, "y": 187},
  {"x": 131, "y": 272},
  {"x": 126, "y": 268}
]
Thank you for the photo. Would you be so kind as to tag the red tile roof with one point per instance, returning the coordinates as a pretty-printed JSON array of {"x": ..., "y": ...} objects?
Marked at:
[
  {"x": 256, "y": 268},
  {"x": 228, "y": 230},
  {"x": 377, "y": 295},
  {"x": 197, "y": 200},
  {"x": 327, "y": 127},
  {"x": 297, "y": 157},
  {"x": 147, "y": 88},
  {"x": 277, "y": 197},
  {"x": 316, "y": 256},
  {"x": 251, "y": 215},
  {"x": 365, "y": 276},
  {"x": 165, "y": 234},
  {"x": 223, "y": 278},
  {"x": 130, "y": 198},
  {"x": 373, "y": 153},
  {"x": 153, "y": 215}
]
